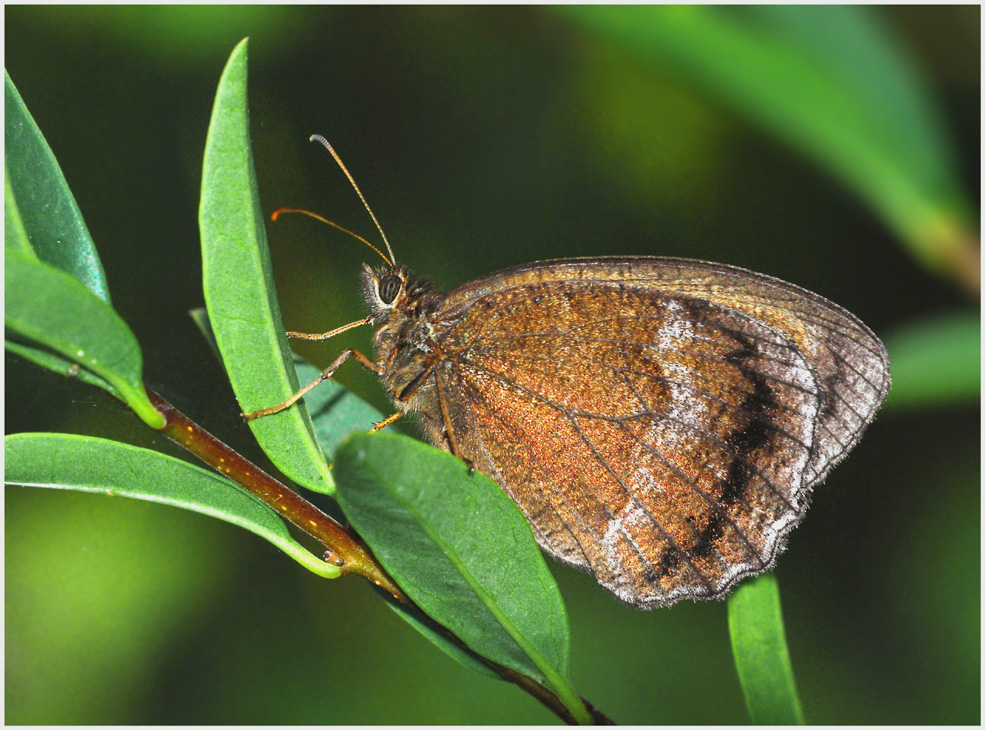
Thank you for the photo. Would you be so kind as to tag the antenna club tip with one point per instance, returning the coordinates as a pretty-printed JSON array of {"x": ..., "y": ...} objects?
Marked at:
[{"x": 275, "y": 215}]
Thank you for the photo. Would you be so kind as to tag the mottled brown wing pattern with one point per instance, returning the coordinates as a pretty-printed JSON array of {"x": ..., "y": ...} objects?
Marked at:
[
  {"x": 659, "y": 428},
  {"x": 849, "y": 361}
]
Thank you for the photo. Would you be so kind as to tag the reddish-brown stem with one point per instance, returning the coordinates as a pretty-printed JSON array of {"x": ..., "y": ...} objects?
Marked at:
[
  {"x": 346, "y": 549},
  {"x": 536, "y": 690},
  {"x": 547, "y": 698}
]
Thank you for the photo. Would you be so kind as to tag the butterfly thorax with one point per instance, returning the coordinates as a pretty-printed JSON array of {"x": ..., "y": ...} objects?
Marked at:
[{"x": 404, "y": 308}]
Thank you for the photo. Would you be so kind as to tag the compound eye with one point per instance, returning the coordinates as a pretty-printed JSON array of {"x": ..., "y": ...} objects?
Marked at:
[{"x": 389, "y": 288}]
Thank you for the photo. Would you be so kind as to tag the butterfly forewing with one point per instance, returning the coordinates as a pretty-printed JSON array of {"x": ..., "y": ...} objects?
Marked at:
[{"x": 660, "y": 422}]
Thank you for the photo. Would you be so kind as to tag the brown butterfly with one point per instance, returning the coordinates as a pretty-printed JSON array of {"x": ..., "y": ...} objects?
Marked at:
[{"x": 660, "y": 422}]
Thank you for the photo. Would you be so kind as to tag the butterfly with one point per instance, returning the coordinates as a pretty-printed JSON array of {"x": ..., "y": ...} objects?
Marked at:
[{"x": 660, "y": 422}]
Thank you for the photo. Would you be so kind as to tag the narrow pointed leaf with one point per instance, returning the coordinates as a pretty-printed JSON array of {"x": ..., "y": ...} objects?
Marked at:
[
  {"x": 47, "y": 208},
  {"x": 50, "y": 361},
  {"x": 461, "y": 549},
  {"x": 336, "y": 411},
  {"x": 201, "y": 319},
  {"x": 14, "y": 234},
  {"x": 446, "y": 645},
  {"x": 855, "y": 48},
  {"x": 759, "y": 645},
  {"x": 49, "y": 307},
  {"x": 100, "y": 466},
  {"x": 239, "y": 287},
  {"x": 829, "y": 81}
]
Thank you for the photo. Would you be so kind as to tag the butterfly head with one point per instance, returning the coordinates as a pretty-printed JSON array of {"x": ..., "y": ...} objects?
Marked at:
[{"x": 392, "y": 288}]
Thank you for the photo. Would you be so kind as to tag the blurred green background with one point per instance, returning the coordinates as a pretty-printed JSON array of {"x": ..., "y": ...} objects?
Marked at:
[{"x": 486, "y": 138}]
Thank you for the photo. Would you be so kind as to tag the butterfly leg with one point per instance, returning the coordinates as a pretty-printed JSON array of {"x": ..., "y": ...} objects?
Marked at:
[
  {"x": 449, "y": 430},
  {"x": 331, "y": 333},
  {"x": 326, "y": 374},
  {"x": 386, "y": 422}
]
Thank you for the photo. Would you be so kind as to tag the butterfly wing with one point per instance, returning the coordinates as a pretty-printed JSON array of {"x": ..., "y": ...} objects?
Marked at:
[{"x": 660, "y": 422}]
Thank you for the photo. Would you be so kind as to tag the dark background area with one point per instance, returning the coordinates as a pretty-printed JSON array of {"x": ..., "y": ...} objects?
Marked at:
[{"x": 483, "y": 138}]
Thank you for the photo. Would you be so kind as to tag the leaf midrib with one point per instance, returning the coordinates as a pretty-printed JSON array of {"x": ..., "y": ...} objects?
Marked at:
[{"x": 553, "y": 677}]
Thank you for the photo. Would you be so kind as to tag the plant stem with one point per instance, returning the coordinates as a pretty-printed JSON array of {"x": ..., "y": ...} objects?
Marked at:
[
  {"x": 539, "y": 692},
  {"x": 345, "y": 549}
]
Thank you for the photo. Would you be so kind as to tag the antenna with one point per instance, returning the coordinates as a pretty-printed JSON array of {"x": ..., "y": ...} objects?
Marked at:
[
  {"x": 276, "y": 214},
  {"x": 324, "y": 142}
]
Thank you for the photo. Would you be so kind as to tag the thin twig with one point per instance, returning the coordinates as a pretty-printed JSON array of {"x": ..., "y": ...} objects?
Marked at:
[{"x": 345, "y": 548}]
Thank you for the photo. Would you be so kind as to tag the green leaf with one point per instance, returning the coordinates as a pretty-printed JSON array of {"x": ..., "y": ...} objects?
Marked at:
[
  {"x": 446, "y": 645},
  {"x": 85, "y": 464},
  {"x": 937, "y": 361},
  {"x": 336, "y": 411},
  {"x": 759, "y": 645},
  {"x": 239, "y": 287},
  {"x": 52, "y": 308},
  {"x": 48, "y": 211},
  {"x": 462, "y": 550},
  {"x": 14, "y": 234},
  {"x": 855, "y": 48},
  {"x": 42, "y": 223},
  {"x": 201, "y": 319},
  {"x": 829, "y": 81},
  {"x": 60, "y": 365}
]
